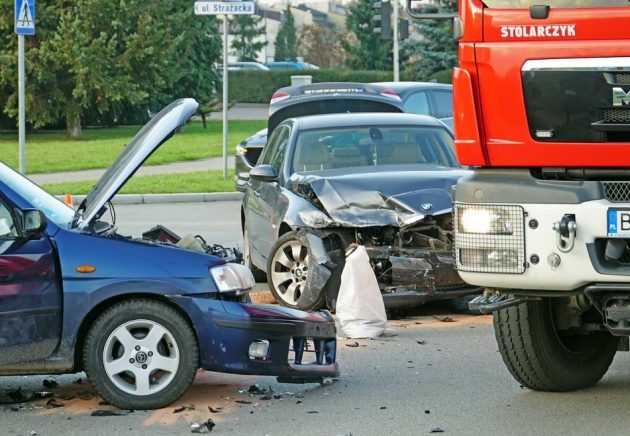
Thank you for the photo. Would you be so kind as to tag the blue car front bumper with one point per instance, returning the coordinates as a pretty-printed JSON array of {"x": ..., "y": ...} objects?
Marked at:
[{"x": 301, "y": 345}]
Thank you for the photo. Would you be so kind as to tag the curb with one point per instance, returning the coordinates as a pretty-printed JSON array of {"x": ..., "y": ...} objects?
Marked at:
[{"x": 192, "y": 197}]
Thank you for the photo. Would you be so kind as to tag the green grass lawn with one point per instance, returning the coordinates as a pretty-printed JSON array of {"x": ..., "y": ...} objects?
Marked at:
[
  {"x": 48, "y": 152},
  {"x": 201, "y": 181}
]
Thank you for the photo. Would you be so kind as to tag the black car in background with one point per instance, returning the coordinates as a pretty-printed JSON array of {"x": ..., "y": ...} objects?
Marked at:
[
  {"x": 424, "y": 98},
  {"x": 314, "y": 99},
  {"x": 381, "y": 180}
]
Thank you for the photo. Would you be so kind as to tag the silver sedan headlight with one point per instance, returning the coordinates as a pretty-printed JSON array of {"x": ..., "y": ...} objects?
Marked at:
[
  {"x": 232, "y": 277},
  {"x": 315, "y": 219}
]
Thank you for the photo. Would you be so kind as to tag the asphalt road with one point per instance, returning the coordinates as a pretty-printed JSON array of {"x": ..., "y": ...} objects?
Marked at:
[{"x": 433, "y": 374}]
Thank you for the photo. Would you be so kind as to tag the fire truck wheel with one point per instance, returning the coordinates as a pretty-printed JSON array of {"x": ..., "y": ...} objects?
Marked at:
[{"x": 543, "y": 358}]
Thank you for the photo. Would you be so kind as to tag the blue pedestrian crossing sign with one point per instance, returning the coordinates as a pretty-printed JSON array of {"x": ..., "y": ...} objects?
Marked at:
[{"x": 25, "y": 17}]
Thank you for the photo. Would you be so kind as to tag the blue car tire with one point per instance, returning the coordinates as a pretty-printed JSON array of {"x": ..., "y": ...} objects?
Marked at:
[{"x": 141, "y": 354}]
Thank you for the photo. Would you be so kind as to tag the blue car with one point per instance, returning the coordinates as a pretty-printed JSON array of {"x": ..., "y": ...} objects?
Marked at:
[{"x": 139, "y": 316}]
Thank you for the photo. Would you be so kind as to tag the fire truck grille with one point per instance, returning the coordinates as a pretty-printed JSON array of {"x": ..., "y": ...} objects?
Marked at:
[
  {"x": 617, "y": 115},
  {"x": 617, "y": 192},
  {"x": 618, "y": 78}
]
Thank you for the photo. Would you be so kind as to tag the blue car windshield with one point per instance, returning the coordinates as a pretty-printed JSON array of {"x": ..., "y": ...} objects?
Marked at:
[
  {"x": 54, "y": 209},
  {"x": 366, "y": 146}
]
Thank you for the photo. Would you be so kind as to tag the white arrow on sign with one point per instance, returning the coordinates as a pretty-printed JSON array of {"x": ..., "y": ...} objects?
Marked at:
[{"x": 225, "y": 8}]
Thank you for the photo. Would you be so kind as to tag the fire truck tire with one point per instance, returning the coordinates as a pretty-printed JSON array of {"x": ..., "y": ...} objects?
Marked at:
[{"x": 543, "y": 358}]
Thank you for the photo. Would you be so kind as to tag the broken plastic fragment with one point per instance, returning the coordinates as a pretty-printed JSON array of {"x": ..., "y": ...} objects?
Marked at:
[
  {"x": 436, "y": 430},
  {"x": 111, "y": 412},
  {"x": 52, "y": 404},
  {"x": 50, "y": 383},
  {"x": 254, "y": 389}
]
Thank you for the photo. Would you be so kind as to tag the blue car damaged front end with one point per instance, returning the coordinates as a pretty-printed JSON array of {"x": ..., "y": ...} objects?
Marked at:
[
  {"x": 233, "y": 336},
  {"x": 294, "y": 345}
]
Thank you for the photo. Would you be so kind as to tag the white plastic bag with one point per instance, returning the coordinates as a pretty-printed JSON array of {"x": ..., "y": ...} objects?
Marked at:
[{"x": 360, "y": 309}]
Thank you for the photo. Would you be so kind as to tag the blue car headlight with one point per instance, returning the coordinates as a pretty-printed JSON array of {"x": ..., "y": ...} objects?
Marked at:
[{"x": 232, "y": 277}]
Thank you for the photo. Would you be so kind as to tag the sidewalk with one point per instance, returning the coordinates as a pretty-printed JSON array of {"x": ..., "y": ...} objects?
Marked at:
[
  {"x": 241, "y": 111},
  {"x": 215, "y": 163}
]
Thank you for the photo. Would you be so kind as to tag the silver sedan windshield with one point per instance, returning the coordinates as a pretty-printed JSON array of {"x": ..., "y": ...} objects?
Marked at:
[
  {"x": 54, "y": 209},
  {"x": 366, "y": 146}
]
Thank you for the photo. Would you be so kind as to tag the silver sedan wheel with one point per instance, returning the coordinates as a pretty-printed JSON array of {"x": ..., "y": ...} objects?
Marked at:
[
  {"x": 141, "y": 357},
  {"x": 289, "y": 271}
]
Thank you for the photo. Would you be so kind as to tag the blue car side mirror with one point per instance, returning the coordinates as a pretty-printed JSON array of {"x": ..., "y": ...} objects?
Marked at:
[{"x": 33, "y": 222}]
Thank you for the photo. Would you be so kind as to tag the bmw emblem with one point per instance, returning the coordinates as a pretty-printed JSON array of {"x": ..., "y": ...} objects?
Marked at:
[{"x": 426, "y": 206}]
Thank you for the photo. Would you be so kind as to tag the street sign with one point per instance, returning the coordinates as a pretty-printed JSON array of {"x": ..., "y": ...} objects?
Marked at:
[
  {"x": 225, "y": 8},
  {"x": 25, "y": 17}
]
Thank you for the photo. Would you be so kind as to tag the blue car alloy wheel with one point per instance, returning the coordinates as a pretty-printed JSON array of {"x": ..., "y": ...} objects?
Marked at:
[{"x": 141, "y": 354}]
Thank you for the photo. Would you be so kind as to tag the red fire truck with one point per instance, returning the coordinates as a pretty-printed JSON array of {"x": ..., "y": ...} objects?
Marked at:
[{"x": 542, "y": 113}]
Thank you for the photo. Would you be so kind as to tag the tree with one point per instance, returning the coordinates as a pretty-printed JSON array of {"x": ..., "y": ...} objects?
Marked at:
[
  {"x": 366, "y": 50},
  {"x": 321, "y": 46},
  {"x": 286, "y": 40},
  {"x": 435, "y": 50},
  {"x": 247, "y": 43},
  {"x": 101, "y": 57}
]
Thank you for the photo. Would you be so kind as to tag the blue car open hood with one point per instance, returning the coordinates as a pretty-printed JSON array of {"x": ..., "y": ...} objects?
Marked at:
[
  {"x": 395, "y": 195},
  {"x": 157, "y": 131}
]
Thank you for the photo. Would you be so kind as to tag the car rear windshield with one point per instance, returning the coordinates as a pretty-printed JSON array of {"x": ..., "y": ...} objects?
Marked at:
[
  {"x": 525, "y": 4},
  {"x": 369, "y": 146}
]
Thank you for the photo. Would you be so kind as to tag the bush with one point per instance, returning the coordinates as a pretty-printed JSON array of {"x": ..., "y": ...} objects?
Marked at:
[{"x": 258, "y": 86}]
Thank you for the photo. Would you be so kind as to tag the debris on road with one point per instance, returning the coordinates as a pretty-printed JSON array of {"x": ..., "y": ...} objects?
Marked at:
[
  {"x": 254, "y": 389},
  {"x": 444, "y": 318},
  {"x": 201, "y": 428},
  {"x": 102, "y": 412},
  {"x": 436, "y": 430},
  {"x": 243, "y": 402},
  {"x": 53, "y": 404},
  {"x": 213, "y": 410},
  {"x": 86, "y": 395},
  {"x": 422, "y": 342},
  {"x": 184, "y": 407},
  {"x": 50, "y": 384}
]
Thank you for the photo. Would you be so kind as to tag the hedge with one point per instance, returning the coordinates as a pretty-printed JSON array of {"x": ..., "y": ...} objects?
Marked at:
[
  {"x": 258, "y": 86},
  {"x": 247, "y": 86}
]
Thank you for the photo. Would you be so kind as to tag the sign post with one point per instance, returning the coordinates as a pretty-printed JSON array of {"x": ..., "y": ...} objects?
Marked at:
[
  {"x": 24, "y": 25},
  {"x": 225, "y": 9}
]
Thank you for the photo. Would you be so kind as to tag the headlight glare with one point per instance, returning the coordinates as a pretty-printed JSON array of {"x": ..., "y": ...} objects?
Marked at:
[
  {"x": 232, "y": 277},
  {"x": 485, "y": 221}
]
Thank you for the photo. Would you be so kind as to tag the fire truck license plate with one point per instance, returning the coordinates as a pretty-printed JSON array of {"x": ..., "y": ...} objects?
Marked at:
[{"x": 619, "y": 223}]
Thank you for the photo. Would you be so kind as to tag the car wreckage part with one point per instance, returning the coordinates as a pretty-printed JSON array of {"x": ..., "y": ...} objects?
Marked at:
[
  {"x": 141, "y": 354},
  {"x": 544, "y": 357},
  {"x": 288, "y": 270}
]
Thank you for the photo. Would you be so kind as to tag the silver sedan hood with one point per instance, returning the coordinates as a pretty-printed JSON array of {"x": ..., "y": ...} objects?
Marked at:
[{"x": 159, "y": 129}]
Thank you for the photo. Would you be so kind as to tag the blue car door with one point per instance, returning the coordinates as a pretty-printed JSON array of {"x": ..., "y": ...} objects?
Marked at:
[{"x": 30, "y": 293}]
